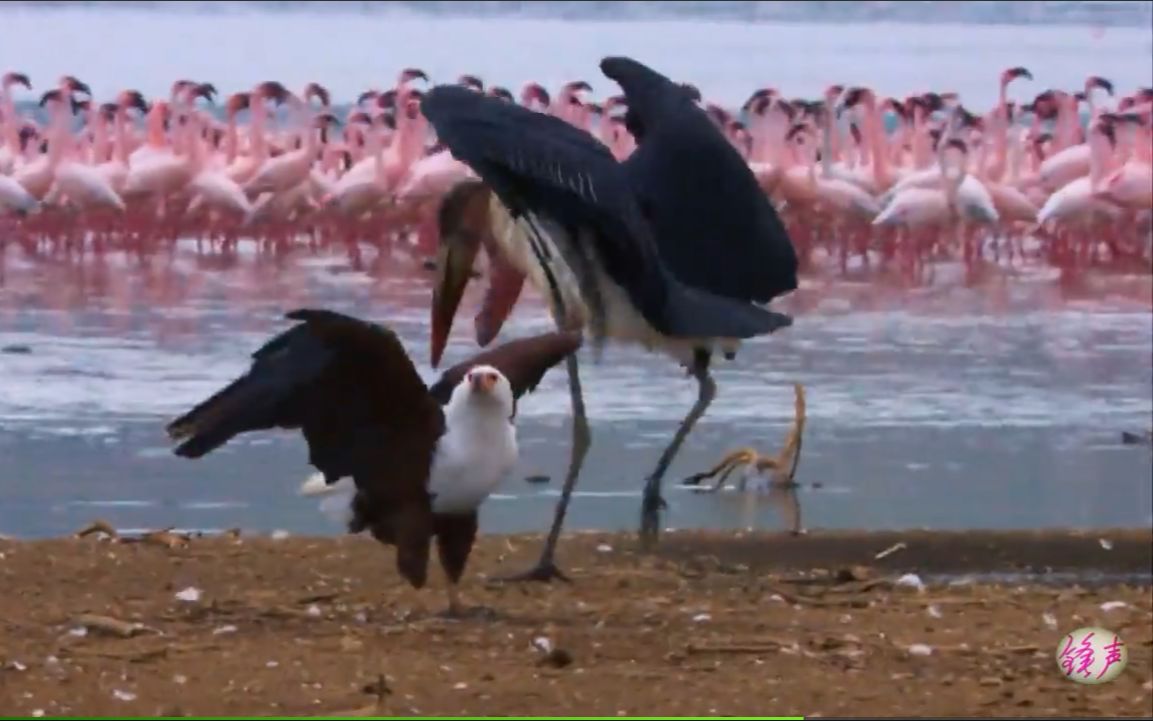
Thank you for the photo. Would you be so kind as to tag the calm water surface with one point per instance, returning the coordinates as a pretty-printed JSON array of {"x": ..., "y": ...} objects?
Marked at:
[{"x": 936, "y": 410}]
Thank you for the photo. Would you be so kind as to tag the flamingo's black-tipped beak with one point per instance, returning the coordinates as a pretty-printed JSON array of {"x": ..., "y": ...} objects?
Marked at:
[
  {"x": 498, "y": 92},
  {"x": 238, "y": 102},
  {"x": 471, "y": 81},
  {"x": 1018, "y": 72},
  {"x": 318, "y": 91},
  {"x": 1109, "y": 131},
  {"x": 273, "y": 90},
  {"x": 51, "y": 96},
  {"x": 11, "y": 79},
  {"x": 898, "y": 108},
  {"x": 360, "y": 117},
  {"x": 932, "y": 102},
  {"x": 1099, "y": 82},
  {"x": 133, "y": 99},
  {"x": 76, "y": 86},
  {"x": 958, "y": 145},
  {"x": 410, "y": 74},
  {"x": 579, "y": 85},
  {"x": 795, "y": 130},
  {"x": 538, "y": 93},
  {"x": 206, "y": 91},
  {"x": 367, "y": 95},
  {"x": 323, "y": 120},
  {"x": 853, "y": 97}
]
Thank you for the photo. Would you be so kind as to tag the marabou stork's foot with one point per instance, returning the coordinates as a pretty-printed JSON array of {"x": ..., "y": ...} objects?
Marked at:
[
  {"x": 651, "y": 506},
  {"x": 545, "y": 571}
]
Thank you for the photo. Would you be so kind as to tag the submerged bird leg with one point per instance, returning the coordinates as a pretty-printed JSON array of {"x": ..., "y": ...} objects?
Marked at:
[
  {"x": 652, "y": 503},
  {"x": 729, "y": 464},
  {"x": 546, "y": 569}
]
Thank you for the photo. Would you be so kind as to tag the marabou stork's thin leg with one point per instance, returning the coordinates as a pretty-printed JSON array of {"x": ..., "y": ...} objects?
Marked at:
[
  {"x": 546, "y": 568},
  {"x": 652, "y": 503}
]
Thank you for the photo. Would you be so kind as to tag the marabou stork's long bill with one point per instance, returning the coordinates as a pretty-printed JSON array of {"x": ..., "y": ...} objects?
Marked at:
[
  {"x": 423, "y": 459},
  {"x": 671, "y": 249}
]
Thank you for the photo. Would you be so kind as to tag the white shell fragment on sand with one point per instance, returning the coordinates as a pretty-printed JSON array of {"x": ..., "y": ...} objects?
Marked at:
[
  {"x": 899, "y": 546},
  {"x": 1049, "y": 620},
  {"x": 188, "y": 595},
  {"x": 911, "y": 580},
  {"x": 542, "y": 644},
  {"x": 934, "y": 611},
  {"x": 1105, "y": 543},
  {"x": 604, "y": 548},
  {"x": 123, "y": 695},
  {"x": 279, "y": 534},
  {"x": 920, "y": 649},
  {"x": 1113, "y": 605},
  {"x": 702, "y": 617}
]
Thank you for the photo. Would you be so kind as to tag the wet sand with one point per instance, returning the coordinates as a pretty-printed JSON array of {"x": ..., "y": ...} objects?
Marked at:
[{"x": 711, "y": 623}]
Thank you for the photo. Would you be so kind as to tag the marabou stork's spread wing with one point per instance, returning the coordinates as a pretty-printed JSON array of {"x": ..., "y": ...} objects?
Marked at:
[
  {"x": 539, "y": 165},
  {"x": 714, "y": 226},
  {"x": 352, "y": 390}
]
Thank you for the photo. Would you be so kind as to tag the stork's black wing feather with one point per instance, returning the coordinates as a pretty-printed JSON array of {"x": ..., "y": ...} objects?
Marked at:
[
  {"x": 714, "y": 227},
  {"x": 540, "y": 165}
]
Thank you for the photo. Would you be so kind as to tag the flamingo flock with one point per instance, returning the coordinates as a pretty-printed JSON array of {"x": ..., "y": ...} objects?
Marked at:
[{"x": 867, "y": 184}]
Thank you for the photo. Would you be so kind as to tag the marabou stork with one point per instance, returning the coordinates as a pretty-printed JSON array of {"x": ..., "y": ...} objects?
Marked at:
[{"x": 671, "y": 249}]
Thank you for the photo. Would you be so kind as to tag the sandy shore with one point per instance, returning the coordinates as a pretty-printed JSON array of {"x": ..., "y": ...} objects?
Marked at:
[{"x": 712, "y": 623}]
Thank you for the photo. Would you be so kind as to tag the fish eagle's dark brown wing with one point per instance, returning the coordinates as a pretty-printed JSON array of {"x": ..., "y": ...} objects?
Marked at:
[
  {"x": 523, "y": 361},
  {"x": 350, "y": 387}
]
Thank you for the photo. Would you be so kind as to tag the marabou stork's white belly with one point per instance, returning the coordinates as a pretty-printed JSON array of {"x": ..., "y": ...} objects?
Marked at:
[{"x": 623, "y": 322}]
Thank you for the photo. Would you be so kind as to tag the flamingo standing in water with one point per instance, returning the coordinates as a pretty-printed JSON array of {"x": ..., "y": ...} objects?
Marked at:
[
  {"x": 380, "y": 180},
  {"x": 10, "y": 145}
]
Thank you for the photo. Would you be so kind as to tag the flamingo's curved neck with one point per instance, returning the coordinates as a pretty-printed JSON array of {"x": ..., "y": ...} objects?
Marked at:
[
  {"x": 876, "y": 140},
  {"x": 119, "y": 127}
]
